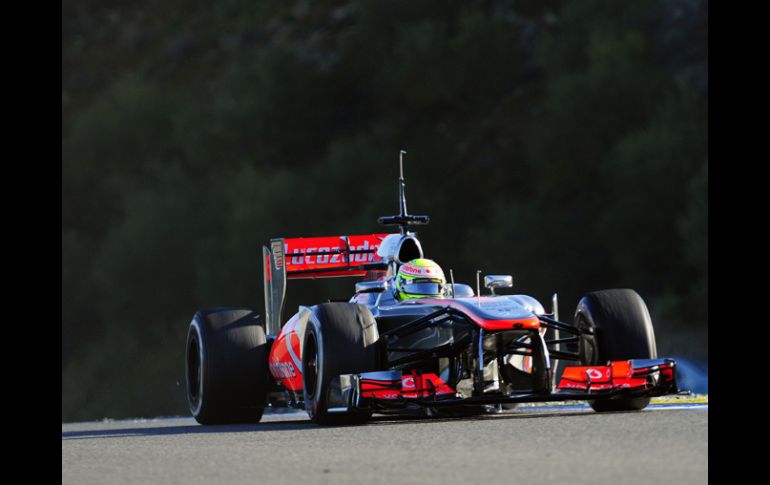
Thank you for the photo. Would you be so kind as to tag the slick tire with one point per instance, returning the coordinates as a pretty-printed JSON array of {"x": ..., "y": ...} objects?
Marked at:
[
  {"x": 226, "y": 366},
  {"x": 340, "y": 338},
  {"x": 622, "y": 330}
]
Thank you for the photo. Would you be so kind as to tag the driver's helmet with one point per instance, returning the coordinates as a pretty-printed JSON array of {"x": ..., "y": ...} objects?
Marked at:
[{"x": 420, "y": 278}]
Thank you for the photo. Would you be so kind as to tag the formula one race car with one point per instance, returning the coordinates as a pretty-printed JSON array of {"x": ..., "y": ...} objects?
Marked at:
[{"x": 444, "y": 350}]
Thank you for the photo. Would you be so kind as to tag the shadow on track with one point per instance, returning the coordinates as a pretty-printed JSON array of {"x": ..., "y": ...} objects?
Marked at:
[
  {"x": 399, "y": 419},
  {"x": 297, "y": 425},
  {"x": 187, "y": 429}
]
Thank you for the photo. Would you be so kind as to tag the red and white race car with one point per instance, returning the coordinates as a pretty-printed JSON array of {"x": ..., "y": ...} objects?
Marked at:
[{"x": 463, "y": 351}]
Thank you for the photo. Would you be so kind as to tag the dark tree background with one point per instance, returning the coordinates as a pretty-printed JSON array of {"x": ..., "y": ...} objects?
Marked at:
[{"x": 564, "y": 142}]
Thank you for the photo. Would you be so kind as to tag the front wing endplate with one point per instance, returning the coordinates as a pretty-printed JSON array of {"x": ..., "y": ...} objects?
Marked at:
[{"x": 633, "y": 375}]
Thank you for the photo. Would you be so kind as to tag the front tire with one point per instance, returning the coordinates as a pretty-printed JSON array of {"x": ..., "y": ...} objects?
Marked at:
[
  {"x": 340, "y": 338},
  {"x": 622, "y": 330},
  {"x": 226, "y": 366}
]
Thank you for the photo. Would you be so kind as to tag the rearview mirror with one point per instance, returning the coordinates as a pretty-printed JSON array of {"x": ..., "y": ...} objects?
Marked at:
[
  {"x": 371, "y": 286},
  {"x": 493, "y": 281}
]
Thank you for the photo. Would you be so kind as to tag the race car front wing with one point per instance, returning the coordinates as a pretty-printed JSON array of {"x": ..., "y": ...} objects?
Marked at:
[{"x": 399, "y": 389}]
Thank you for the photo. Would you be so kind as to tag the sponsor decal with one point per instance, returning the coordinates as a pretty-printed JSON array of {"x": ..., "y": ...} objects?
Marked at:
[
  {"x": 594, "y": 373},
  {"x": 277, "y": 254},
  {"x": 324, "y": 258},
  {"x": 282, "y": 370},
  {"x": 363, "y": 257},
  {"x": 332, "y": 254},
  {"x": 570, "y": 385},
  {"x": 410, "y": 270},
  {"x": 407, "y": 383}
]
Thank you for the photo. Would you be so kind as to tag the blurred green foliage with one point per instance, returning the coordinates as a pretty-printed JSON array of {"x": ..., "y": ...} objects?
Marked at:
[{"x": 563, "y": 142}]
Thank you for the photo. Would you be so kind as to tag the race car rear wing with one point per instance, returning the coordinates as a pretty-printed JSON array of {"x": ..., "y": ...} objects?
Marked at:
[{"x": 314, "y": 257}]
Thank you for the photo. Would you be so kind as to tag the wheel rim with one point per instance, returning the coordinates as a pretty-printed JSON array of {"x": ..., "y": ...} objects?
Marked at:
[
  {"x": 310, "y": 365},
  {"x": 193, "y": 372},
  {"x": 584, "y": 342}
]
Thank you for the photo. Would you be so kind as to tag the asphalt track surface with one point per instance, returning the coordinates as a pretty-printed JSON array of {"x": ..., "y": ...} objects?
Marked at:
[{"x": 544, "y": 444}]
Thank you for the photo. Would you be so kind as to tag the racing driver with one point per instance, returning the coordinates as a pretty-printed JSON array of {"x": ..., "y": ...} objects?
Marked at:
[{"x": 420, "y": 278}]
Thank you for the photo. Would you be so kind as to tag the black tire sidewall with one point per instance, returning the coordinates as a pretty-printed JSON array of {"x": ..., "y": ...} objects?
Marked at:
[
  {"x": 194, "y": 340},
  {"x": 315, "y": 403},
  {"x": 345, "y": 336},
  {"x": 622, "y": 325},
  {"x": 234, "y": 375}
]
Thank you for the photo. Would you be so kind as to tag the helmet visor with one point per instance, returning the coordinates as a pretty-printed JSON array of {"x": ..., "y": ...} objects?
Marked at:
[{"x": 424, "y": 287}]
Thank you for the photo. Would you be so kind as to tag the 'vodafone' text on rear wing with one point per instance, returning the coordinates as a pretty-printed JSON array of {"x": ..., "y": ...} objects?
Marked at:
[{"x": 314, "y": 257}]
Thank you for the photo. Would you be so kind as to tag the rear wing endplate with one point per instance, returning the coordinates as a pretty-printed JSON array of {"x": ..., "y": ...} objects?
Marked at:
[{"x": 314, "y": 257}]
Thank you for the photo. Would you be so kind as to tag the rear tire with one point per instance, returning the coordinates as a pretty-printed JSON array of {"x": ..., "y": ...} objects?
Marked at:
[
  {"x": 340, "y": 338},
  {"x": 622, "y": 330},
  {"x": 226, "y": 366}
]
